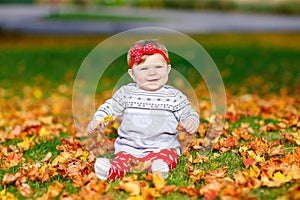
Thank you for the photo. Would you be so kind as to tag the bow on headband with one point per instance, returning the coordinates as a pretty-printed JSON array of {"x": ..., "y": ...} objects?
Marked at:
[{"x": 138, "y": 51}]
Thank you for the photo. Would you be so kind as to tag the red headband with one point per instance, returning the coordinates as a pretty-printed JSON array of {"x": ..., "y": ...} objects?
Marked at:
[{"x": 138, "y": 51}]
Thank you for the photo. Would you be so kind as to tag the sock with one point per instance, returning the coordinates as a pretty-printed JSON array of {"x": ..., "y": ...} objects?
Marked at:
[
  {"x": 102, "y": 167},
  {"x": 160, "y": 166}
]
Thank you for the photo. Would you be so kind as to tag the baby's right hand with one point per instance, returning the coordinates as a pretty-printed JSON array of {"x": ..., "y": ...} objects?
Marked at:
[{"x": 93, "y": 126}]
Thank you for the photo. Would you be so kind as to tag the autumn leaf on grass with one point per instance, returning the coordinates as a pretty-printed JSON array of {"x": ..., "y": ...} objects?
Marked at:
[
  {"x": 226, "y": 144},
  {"x": 189, "y": 191},
  {"x": 53, "y": 191},
  {"x": 94, "y": 186},
  {"x": 10, "y": 157},
  {"x": 248, "y": 161},
  {"x": 24, "y": 189},
  {"x": 215, "y": 174},
  {"x": 195, "y": 175},
  {"x": 168, "y": 189},
  {"x": 4, "y": 195},
  {"x": 158, "y": 181},
  {"x": 293, "y": 192},
  {"x": 211, "y": 190},
  {"x": 292, "y": 137},
  {"x": 138, "y": 167},
  {"x": 27, "y": 143},
  {"x": 129, "y": 185},
  {"x": 76, "y": 170},
  {"x": 149, "y": 193},
  {"x": 10, "y": 178},
  {"x": 246, "y": 181}
]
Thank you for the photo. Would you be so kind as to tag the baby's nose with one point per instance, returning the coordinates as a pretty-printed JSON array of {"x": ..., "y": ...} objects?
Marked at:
[{"x": 152, "y": 71}]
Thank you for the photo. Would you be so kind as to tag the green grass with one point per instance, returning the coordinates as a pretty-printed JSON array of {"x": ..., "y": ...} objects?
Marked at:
[{"x": 251, "y": 65}]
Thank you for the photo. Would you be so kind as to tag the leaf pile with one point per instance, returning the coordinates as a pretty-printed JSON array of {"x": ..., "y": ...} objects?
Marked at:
[{"x": 259, "y": 148}]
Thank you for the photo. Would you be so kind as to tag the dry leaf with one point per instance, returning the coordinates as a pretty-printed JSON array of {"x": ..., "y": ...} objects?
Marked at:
[{"x": 158, "y": 181}]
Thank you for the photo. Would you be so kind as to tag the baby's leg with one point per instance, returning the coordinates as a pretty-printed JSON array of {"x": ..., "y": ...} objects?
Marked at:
[
  {"x": 119, "y": 166},
  {"x": 163, "y": 161}
]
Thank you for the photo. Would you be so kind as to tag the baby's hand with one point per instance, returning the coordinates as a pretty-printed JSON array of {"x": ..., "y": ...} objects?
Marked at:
[
  {"x": 189, "y": 126},
  {"x": 93, "y": 126}
]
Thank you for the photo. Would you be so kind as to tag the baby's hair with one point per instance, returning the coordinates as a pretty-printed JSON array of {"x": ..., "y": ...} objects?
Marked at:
[{"x": 157, "y": 45}]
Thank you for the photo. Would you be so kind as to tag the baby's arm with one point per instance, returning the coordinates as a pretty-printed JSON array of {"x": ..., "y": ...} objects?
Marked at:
[
  {"x": 112, "y": 107},
  {"x": 189, "y": 119},
  {"x": 103, "y": 111},
  {"x": 187, "y": 116}
]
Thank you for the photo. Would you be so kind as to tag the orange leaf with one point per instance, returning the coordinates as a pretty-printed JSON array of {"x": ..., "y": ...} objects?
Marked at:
[
  {"x": 188, "y": 190},
  {"x": 167, "y": 189},
  {"x": 249, "y": 161}
]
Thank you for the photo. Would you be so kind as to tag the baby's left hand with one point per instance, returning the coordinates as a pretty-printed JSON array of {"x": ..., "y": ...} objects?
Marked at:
[{"x": 189, "y": 126}]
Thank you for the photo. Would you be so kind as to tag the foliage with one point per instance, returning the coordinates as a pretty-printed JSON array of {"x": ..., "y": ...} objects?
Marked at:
[{"x": 44, "y": 157}]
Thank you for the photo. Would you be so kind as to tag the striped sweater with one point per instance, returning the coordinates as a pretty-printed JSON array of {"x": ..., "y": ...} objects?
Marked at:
[{"x": 149, "y": 118}]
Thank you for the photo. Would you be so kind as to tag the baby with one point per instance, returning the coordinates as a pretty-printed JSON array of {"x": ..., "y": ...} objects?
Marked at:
[{"x": 150, "y": 112}]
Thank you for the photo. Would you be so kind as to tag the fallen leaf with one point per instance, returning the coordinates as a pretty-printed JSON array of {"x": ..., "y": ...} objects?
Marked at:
[{"x": 158, "y": 181}]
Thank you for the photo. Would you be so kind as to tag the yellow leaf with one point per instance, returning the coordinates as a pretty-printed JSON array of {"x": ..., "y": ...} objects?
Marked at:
[
  {"x": 149, "y": 193},
  {"x": 254, "y": 171},
  {"x": 6, "y": 195},
  {"x": 2, "y": 193},
  {"x": 26, "y": 144},
  {"x": 43, "y": 132},
  {"x": 138, "y": 197},
  {"x": 84, "y": 156},
  {"x": 278, "y": 176},
  {"x": 158, "y": 181},
  {"x": 131, "y": 187},
  {"x": 115, "y": 125},
  {"x": 255, "y": 156}
]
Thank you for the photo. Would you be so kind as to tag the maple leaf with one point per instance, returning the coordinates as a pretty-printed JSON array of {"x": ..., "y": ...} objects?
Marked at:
[
  {"x": 53, "y": 191},
  {"x": 248, "y": 161},
  {"x": 158, "y": 181},
  {"x": 149, "y": 193},
  {"x": 167, "y": 189},
  {"x": 26, "y": 143},
  {"x": 292, "y": 137},
  {"x": 245, "y": 180},
  {"x": 189, "y": 191},
  {"x": 10, "y": 178},
  {"x": 132, "y": 187}
]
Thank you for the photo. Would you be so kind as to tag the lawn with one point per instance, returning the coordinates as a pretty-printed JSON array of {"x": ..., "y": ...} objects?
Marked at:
[{"x": 257, "y": 156}]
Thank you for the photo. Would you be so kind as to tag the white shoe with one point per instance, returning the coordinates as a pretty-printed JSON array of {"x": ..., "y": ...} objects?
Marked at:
[
  {"x": 102, "y": 167},
  {"x": 161, "y": 167}
]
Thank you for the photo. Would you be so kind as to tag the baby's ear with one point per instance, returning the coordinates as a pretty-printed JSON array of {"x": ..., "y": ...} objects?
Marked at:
[
  {"x": 130, "y": 72},
  {"x": 169, "y": 68}
]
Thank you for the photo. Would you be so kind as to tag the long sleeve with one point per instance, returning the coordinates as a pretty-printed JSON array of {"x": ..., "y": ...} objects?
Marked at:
[
  {"x": 103, "y": 111},
  {"x": 113, "y": 107},
  {"x": 184, "y": 110}
]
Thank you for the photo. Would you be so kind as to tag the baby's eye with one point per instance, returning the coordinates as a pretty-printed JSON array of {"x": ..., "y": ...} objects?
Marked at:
[
  {"x": 143, "y": 68},
  {"x": 159, "y": 66}
]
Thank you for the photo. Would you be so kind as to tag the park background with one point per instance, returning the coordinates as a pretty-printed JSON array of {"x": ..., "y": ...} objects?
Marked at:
[{"x": 42, "y": 154}]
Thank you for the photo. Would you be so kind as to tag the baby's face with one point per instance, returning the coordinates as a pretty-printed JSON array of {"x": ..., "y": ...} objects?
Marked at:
[{"x": 152, "y": 74}]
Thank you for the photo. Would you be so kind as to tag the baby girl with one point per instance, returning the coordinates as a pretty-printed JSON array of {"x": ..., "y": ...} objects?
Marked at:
[{"x": 150, "y": 111}]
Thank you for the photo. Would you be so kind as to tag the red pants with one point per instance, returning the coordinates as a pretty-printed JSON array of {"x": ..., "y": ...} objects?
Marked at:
[{"x": 120, "y": 167}]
